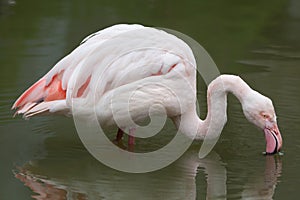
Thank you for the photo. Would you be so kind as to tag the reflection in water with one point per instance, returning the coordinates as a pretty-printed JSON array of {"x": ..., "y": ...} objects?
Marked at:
[
  {"x": 46, "y": 189},
  {"x": 154, "y": 185},
  {"x": 264, "y": 187}
]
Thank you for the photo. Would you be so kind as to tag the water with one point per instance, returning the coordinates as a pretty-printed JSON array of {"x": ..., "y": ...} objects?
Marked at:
[{"x": 43, "y": 158}]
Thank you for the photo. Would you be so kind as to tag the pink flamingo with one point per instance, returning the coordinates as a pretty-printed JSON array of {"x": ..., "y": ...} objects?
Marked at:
[{"x": 167, "y": 74}]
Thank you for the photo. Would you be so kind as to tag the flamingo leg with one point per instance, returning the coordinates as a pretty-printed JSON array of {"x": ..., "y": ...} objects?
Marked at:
[
  {"x": 119, "y": 135},
  {"x": 118, "y": 141},
  {"x": 131, "y": 136},
  {"x": 131, "y": 139}
]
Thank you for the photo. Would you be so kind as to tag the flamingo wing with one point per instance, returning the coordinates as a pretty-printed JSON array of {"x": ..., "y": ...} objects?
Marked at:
[
  {"x": 50, "y": 91},
  {"x": 113, "y": 57}
]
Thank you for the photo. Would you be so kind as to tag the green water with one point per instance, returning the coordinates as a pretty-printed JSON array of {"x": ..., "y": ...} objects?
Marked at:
[{"x": 43, "y": 157}]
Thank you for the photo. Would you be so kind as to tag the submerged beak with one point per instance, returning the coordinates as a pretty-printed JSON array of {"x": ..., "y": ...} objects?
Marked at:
[{"x": 273, "y": 139}]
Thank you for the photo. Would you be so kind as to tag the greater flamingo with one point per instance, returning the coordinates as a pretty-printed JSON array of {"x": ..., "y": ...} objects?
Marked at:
[{"x": 151, "y": 67}]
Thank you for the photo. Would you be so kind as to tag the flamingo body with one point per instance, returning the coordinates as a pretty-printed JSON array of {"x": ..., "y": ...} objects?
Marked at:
[{"x": 123, "y": 71}]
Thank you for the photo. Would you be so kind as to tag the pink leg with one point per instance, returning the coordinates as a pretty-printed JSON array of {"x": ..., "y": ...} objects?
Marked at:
[
  {"x": 131, "y": 139},
  {"x": 131, "y": 136},
  {"x": 119, "y": 135},
  {"x": 118, "y": 141}
]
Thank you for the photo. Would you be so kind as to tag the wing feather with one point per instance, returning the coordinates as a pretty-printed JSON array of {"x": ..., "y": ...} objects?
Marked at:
[{"x": 110, "y": 58}]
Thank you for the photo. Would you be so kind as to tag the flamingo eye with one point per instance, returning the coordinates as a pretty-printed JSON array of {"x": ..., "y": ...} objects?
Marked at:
[{"x": 265, "y": 116}]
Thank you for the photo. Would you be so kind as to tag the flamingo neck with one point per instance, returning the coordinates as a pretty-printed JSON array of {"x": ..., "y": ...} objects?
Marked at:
[{"x": 216, "y": 118}]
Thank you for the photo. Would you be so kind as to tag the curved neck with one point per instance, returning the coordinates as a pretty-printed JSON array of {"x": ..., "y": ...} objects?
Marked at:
[{"x": 190, "y": 123}]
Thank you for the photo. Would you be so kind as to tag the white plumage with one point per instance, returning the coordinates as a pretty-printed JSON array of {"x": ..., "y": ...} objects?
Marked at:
[{"x": 124, "y": 71}]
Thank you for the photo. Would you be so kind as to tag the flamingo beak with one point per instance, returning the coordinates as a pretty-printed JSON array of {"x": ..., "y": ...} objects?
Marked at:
[{"x": 273, "y": 139}]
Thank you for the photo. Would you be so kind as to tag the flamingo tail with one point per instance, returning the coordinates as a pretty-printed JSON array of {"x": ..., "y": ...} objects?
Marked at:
[{"x": 42, "y": 98}]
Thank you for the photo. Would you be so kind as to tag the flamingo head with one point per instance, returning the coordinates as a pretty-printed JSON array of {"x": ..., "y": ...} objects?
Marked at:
[{"x": 260, "y": 111}]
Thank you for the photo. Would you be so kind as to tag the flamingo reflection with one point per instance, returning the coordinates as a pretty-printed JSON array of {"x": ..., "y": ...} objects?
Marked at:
[{"x": 105, "y": 183}]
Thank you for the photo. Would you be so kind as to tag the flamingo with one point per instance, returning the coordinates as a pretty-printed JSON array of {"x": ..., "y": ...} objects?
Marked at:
[{"x": 151, "y": 67}]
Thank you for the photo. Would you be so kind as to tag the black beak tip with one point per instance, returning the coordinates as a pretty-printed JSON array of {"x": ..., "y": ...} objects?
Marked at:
[{"x": 273, "y": 153}]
